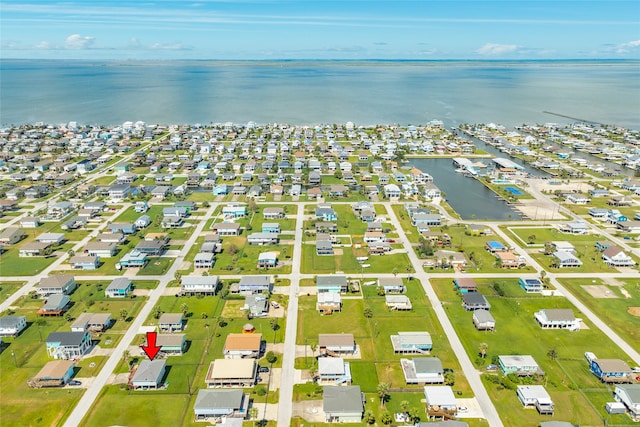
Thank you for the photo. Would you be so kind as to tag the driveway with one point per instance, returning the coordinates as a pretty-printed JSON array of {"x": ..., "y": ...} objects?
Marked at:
[{"x": 310, "y": 410}]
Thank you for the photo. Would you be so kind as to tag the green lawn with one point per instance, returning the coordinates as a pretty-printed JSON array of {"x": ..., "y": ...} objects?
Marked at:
[
  {"x": 518, "y": 333},
  {"x": 615, "y": 312},
  {"x": 156, "y": 266},
  {"x": 11, "y": 264}
]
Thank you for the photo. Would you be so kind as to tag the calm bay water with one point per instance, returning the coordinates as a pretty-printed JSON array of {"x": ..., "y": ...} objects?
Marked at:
[
  {"x": 308, "y": 92},
  {"x": 470, "y": 198}
]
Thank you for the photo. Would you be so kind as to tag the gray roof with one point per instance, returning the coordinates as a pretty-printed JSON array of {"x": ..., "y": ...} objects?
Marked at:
[
  {"x": 632, "y": 390},
  {"x": 66, "y": 338},
  {"x": 427, "y": 365},
  {"x": 10, "y": 321},
  {"x": 559, "y": 314},
  {"x": 483, "y": 316},
  {"x": 199, "y": 280},
  {"x": 119, "y": 283},
  {"x": 331, "y": 280},
  {"x": 255, "y": 281},
  {"x": 149, "y": 370},
  {"x": 474, "y": 298},
  {"x": 55, "y": 302},
  {"x": 342, "y": 399},
  {"x": 219, "y": 399}
]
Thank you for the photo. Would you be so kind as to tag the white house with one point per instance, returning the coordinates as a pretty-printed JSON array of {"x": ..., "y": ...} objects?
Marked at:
[
  {"x": 12, "y": 325},
  {"x": 535, "y": 396},
  {"x": 557, "y": 318}
]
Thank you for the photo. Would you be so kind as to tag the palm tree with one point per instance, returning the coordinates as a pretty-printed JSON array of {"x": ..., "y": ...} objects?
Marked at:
[
  {"x": 383, "y": 393},
  {"x": 483, "y": 349},
  {"x": 404, "y": 405}
]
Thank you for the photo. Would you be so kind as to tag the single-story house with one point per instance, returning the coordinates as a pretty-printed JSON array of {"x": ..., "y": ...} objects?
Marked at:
[
  {"x": 629, "y": 395},
  {"x": 557, "y": 318},
  {"x": 35, "y": 249},
  {"x": 101, "y": 249},
  {"x": 263, "y": 238},
  {"x": 149, "y": 374},
  {"x": 465, "y": 284},
  {"x": 328, "y": 302},
  {"x": 475, "y": 301},
  {"x": 342, "y": 404},
  {"x": 172, "y": 344},
  {"x": 324, "y": 247},
  {"x": 412, "y": 343},
  {"x": 254, "y": 284},
  {"x": 226, "y": 228},
  {"x": 611, "y": 370},
  {"x": 63, "y": 284},
  {"x": 336, "y": 284},
  {"x": 170, "y": 322},
  {"x": 483, "y": 320},
  {"x": 204, "y": 285},
  {"x": 614, "y": 256},
  {"x": 519, "y": 364},
  {"x": 535, "y": 396},
  {"x": 422, "y": 370},
  {"x": 53, "y": 238},
  {"x": 273, "y": 213},
  {"x": 441, "y": 402},
  {"x": 119, "y": 288},
  {"x": 391, "y": 285},
  {"x": 221, "y": 404},
  {"x": 11, "y": 326},
  {"x": 68, "y": 345},
  {"x": 334, "y": 370},
  {"x": 85, "y": 262},
  {"x": 54, "y": 305},
  {"x": 93, "y": 322},
  {"x": 11, "y": 235},
  {"x": 566, "y": 259},
  {"x": 398, "y": 302},
  {"x": 336, "y": 344},
  {"x": 241, "y": 346},
  {"x": 232, "y": 373},
  {"x": 56, "y": 373}
]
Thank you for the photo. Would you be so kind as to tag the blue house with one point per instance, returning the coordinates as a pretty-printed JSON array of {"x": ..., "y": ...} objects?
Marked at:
[
  {"x": 119, "y": 288},
  {"x": 530, "y": 285},
  {"x": 271, "y": 227},
  {"x": 221, "y": 190},
  {"x": 335, "y": 284},
  {"x": 411, "y": 342},
  {"x": 611, "y": 370},
  {"x": 326, "y": 213},
  {"x": 465, "y": 284},
  {"x": 134, "y": 259},
  {"x": 124, "y": 228},
  {"x": 234, "y": 211}
]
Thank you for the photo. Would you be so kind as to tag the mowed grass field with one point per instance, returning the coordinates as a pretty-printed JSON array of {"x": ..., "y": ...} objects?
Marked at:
[{"x": 578, "y": 395}]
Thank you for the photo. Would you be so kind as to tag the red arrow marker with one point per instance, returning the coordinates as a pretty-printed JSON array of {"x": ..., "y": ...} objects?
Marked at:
[{"x": 151, "y": 349}]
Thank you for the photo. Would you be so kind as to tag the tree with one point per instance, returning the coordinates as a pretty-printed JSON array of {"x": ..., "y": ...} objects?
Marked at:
[
  {"x": 368, "y": 313},
  {"x": 368, "y": 417},
  {"x": 414, "y": 415},
  {"x": 124, "y": 314},
  {"x": 483, "y": 349},
  {"x": 386, "y": 417},
  {"x": 274, "y": 324},
  {"x": 531, "y": 239},
  {"x": 157, "y": 313},
  {"x": 184, "y": 308},
  {"x": 253, "y": 413},
  {"x": 394, "y": 272},
  {"x": 68, "y": 317},
  {"x": 404, "y": 405},
  {"x": 126, "y": 355},
  {"x": 383, "y": 393},
  {"x": 233, "y": 249},
  {"x": 271, "y": 357},
  {"x": 552, "y": 354},
  {"x": 449, "y": 378}
]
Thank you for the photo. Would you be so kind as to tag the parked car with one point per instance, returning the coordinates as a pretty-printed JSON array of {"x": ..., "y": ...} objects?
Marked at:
[
  {"x": 75, "y": 382},
  {"x": 275, "y": 304},
  {"x": 492, "y": 367},
  {"x": 462, "y": 409},
  {"x": 263, "y": 369},
  {"x": 636, "y": 369}
]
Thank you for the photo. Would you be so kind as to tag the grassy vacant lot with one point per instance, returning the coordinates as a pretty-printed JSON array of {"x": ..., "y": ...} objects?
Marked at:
[
  {"x": 9, "y": 288},
  {"x": 379, "y": 363},
  {"x": 11, "y": 264},
  {"x": 567, "y": 378},
  {"x": 347, "y": 261},
  {"x": 616, "y": 311}
]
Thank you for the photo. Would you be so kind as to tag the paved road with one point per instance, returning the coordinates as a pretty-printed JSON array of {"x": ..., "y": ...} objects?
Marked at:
[
  {"x": 285, "y": 406},
  {"x": 33, "y": 280},
  {"x": 88, "y": 398},
  {"x": 486, "y": 405}
]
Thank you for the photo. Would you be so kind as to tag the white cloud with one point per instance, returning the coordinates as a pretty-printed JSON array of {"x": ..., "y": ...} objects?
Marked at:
[
  {"x": 45, "y": 45},
  {"x": 496, "y": 49},
  {"x": 629, "y": 46},
  {"x": 169, "y": 46},
  {"x": 76, "y": 41}
]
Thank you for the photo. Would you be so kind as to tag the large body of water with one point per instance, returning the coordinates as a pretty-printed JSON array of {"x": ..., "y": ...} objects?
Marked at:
[{"x": 311, "y": 92}]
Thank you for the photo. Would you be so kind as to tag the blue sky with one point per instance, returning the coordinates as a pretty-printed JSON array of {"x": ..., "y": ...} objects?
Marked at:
[{"x": 303, "y": 29}]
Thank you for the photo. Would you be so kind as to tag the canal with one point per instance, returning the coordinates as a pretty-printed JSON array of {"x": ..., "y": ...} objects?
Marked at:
[{"x": 469, "y": 197}]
